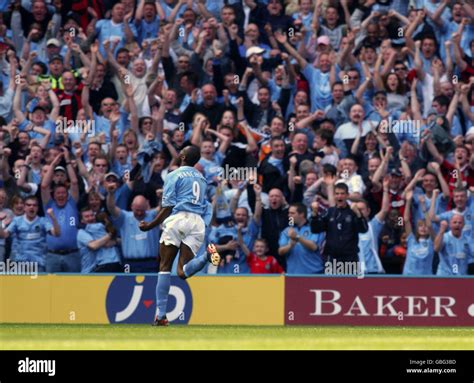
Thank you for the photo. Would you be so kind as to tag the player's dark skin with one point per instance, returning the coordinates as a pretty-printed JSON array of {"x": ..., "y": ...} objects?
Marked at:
[{"x": 168, "y": 252}]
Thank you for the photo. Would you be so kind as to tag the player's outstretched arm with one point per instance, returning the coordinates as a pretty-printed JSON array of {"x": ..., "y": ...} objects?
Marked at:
[{"x": 160, "y": 217}]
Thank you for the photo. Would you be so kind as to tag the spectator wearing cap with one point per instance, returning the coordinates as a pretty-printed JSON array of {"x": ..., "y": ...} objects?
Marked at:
[
  {"x": 251, "y": 39},
  {"x": 53, "y": 48},
  {"x": 320, "y": 78},
  {"x": 39, "y": 123},
  {"x": 56, "y": 69},
  {"x": 317, "y": 46},
  {"x": 63, "y": 254},
  {"x": 139, "y": 249},
  {"x": 123, "y": 189}
]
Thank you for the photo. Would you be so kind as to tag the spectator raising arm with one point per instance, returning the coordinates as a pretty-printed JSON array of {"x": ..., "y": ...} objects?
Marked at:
[
  {"x": 282, "y": 39},
  {"x": 407, "y": 213},
  {"x": 411, "y": 186},
  {"x": 438, "y": 242},
  {"x": 432, "y": 212},
  {"x": 48, "y": 179},
  {"x": 224, "y": 140},
  {"x": 257, "y": 215},
  {"x": 114, "y": 211},
  {"x": 435, "y": 167},
  {"x": 19, "y": 115},
  {"x": 385, "y": 201}
]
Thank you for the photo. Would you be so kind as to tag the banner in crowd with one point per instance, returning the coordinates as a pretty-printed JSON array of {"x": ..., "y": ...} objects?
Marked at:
[{"x": 377, "y": 301}]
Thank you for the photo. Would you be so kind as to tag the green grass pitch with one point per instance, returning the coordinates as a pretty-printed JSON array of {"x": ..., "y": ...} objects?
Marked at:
[{"x": 180, "y": 337}]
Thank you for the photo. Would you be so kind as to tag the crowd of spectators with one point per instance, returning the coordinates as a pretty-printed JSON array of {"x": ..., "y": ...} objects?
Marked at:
[{"x": 350, "y": 123}]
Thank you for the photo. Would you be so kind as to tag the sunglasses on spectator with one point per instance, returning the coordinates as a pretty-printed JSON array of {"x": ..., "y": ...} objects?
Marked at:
[{"x": 108, "y": 104}]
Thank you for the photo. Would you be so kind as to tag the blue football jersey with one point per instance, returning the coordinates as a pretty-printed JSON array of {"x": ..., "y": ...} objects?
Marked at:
[
  {"x": 185, "y": 189},
  {"x": 454, "y": 256}
]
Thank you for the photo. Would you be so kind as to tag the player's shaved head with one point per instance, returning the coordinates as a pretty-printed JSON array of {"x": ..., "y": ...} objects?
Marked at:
[{"x": 190, "y": 155}]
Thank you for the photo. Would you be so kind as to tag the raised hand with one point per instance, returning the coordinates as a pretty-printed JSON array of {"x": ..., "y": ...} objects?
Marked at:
[
  {"x": 257, "y": 189},
  {"x": 280, "y": 37},
  {"x": 444, "y": 225},
  {"x": 420, "y": 173}
]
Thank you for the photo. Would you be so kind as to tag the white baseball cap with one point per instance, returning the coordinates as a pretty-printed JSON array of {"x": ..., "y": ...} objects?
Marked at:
[{"x": 254, "y": 51}]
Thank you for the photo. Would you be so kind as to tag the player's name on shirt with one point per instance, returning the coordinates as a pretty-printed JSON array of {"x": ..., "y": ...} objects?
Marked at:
[{"x": 186, "y": 173}]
